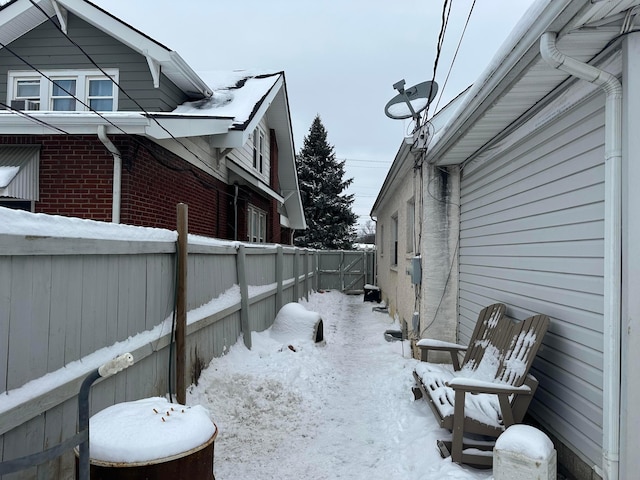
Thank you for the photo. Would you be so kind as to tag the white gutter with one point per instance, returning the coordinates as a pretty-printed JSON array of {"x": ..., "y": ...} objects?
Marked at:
[
  {"x": 117, "y": 172},
  {"x": 612, "y": 242}
]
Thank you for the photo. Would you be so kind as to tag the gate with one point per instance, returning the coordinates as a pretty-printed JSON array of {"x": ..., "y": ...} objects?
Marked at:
[{"x": 346, "y": 270}]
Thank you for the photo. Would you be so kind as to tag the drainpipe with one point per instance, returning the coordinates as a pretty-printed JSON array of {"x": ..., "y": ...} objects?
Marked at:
[
  {"x": 235, "y": 211},
  {"x": 612, "y": 241},
  {"x": 117, "y": 172}
]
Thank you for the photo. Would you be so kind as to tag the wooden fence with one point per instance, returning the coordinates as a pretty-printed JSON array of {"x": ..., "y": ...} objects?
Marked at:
[{"x": 67, "y": 305}]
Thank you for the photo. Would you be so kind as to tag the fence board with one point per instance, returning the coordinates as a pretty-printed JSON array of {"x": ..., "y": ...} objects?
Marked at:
[{"x": 69, "y": 298}]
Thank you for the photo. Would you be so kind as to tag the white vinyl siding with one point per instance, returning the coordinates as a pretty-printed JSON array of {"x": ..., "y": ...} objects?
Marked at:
[
  {"x": 531, "y": 236},
  {"x": 245, "y": 155}
]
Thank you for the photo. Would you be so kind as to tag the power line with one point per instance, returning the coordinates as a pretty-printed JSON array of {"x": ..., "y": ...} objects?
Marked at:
[
  {"x": 455, "y": 55},
  {"x": 149, "y": 115}
]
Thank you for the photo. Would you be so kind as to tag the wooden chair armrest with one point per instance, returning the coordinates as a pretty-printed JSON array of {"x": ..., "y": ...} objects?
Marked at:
[
  {"x": 427, "y": 344},
  {"x": 479, "y": 386}
]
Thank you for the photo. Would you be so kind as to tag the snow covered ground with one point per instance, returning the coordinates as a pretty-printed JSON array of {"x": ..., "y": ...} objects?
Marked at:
[{"x": 343, "y": 410}]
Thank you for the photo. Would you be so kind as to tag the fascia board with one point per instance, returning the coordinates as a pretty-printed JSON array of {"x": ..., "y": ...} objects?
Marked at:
[
  {"x": 162, "y": 127},
  {"x": 13, "y": 123},
  {"x": 494, "y": 80},
  {"x": 173, "y": 65},
  {"x": 399, "y": 169},
  {"x": 229, "y": 139},
  {"x": 253, "y": 181}
]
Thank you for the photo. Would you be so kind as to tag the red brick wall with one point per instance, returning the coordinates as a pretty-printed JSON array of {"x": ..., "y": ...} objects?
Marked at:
[{"x": 76, "y": 175}]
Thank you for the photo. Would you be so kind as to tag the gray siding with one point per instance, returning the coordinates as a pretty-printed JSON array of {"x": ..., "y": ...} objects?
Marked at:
[
  {"x": 532, "y": 237},
  {"x": 45, "y": 47}
]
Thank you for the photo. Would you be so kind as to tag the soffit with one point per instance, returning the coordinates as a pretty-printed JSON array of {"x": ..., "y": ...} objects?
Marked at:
[{"x": 528, "y": 81}]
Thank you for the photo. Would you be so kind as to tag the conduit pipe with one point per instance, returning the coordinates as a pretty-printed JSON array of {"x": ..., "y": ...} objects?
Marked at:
[
  {"x": 612, "y": 241},
  {"x": 117, "y": 173}
]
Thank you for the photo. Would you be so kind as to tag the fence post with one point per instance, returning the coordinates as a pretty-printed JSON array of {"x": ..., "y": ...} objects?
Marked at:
[
  {"x": 296, "y": 275},
  {"x": 241, "y": 266},
  {"x": 342, "y": 270},
  {"x": 306, "y": 274},
  {"x": 316, "y": 270},
  {"x": 181, "y": 302},
  {"x": 279, "y": 277}
]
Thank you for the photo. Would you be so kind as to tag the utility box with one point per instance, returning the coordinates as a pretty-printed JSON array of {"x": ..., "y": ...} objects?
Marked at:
[{"x": 416, "y": 271}]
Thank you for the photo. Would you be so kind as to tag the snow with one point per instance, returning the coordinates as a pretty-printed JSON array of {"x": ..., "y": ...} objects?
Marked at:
[
  {"x": 343, "y": 409},
  {"x": 525, "y": 440},
  {"x": 18, "y": 222},
  {"x": 227, "y": 99},
  {"x": 7, "y": 174},
  {"x": 294, "y": 322},
  {"x": 430, "y": 342},
  {"x": 147, "y": 429}
]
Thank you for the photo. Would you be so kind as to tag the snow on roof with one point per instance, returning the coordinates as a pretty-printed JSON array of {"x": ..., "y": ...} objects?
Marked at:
[{"x": 236, "y": 94}]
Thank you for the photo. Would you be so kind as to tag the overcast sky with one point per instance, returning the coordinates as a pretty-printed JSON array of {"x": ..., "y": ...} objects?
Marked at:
[{"x": 340, "y": 58}]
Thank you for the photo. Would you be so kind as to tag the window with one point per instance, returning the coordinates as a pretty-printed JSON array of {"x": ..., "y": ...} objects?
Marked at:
[
  {"x": 27, "y": 95},
  {"x": 394, "y": 240},
  {"x": 100, "y": 96},
  {"x": 257, "y": 225},
  {"x": 63, "y": 90},
  {"x": 63, "y": 95},
  {"x": 411, "y": 210},
  {"x": 258, "y": 150}
]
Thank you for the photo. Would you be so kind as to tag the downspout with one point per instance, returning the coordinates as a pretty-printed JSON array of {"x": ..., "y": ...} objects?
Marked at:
[
  {"x": 235, "y": 211},
  {"x": 612, "y": 242},
  {"x": 117, "y": 173}
]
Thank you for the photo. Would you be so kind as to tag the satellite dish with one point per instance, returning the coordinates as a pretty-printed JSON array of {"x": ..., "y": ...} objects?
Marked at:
[{"x": 410, "y": 102}]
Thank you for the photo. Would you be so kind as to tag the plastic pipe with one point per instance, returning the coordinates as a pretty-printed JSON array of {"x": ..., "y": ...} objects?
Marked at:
[
  {"x": 117, "y": 173},
  {"x": 612, "y": 241}
]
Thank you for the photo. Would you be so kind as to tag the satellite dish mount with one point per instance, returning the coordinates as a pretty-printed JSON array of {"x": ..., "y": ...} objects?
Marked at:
[{"x": 411, "y": 102}]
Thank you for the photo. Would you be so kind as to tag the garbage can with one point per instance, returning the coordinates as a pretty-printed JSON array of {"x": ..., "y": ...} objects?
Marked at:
[
  {"x": 152, "y": 439},
  {"x": 372, "y": 293}
]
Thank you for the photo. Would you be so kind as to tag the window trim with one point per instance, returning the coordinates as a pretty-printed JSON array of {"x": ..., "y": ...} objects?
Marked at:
[
  {"x": 258, "y": 141},
  {"x": 81, "y": 77},
  {"x": 255, "y": 213},
  {"x": 394, "y": 240}
]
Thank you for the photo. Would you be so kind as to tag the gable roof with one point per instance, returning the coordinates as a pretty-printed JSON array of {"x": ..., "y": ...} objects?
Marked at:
[
  {"x": 518, "y": 78},
  {"x": 18, "y": 17},
  {"x": 227, "y": 109}
]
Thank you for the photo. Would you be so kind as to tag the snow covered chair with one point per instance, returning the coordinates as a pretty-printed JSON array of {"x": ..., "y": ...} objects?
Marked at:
[
  {"x": 500, "y": 389},
  {"x": 489, "y": 319}
]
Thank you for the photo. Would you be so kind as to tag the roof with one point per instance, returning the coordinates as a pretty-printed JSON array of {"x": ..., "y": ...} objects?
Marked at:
[
  {"x": 230, "y": 104},
  {"x": 19, "y": 16},
  {"x": 518, "y": 78}
]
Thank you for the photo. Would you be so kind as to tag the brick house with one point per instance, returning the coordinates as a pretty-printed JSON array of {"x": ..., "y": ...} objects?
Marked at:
[{"x": 100, "y": 121}]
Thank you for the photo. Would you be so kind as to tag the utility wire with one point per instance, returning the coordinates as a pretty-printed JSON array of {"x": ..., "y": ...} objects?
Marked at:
[
  {"x": 72, "y": 95},
  {"x": 455, "y": 55},
  {"x": 149, "y": 115}
]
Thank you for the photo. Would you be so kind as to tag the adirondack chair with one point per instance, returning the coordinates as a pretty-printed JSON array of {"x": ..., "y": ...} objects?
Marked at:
[
  {"x": 500, "y": 385},
  {"x": 490, "y": 318}
]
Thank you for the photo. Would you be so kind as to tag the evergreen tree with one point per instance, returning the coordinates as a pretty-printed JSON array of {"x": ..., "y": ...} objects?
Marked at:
[{"x": 330, "y": 220}]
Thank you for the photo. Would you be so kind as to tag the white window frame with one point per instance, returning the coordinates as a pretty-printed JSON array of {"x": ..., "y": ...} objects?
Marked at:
[
  {"x": 258, "y": 149},
  {"x": 394, "y": 240},
  {"x": 256, "y": 224},
  {"x": 30, "y": 100},
  {"x": 82, "y": 78},
  {"x": 411, "y": 216}
]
